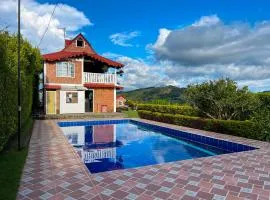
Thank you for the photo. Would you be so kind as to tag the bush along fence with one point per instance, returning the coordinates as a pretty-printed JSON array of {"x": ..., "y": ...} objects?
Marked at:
[
  {"x": 172, "y": 109},
  {"x": 246, "y": 129},
  {"x": 30, "y": 65}
]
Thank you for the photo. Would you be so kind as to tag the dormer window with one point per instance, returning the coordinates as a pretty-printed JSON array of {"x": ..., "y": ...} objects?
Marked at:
[{"x": 80, "y": 43}]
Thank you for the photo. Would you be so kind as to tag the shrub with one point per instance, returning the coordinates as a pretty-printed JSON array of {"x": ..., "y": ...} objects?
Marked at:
[
  {"x": 262, "y": 120},
  {"x": 222, "y": 99},
  {"x": 132, "y": 104},
  {"x": 172, "y": 109},
  {"x": 246, "y": 129},
  {"x": 159, "y": 102},
  {"x": 264, "y": 99},
  {"x": 120, "y": 109},
  {"x": 30, "y": 65}
]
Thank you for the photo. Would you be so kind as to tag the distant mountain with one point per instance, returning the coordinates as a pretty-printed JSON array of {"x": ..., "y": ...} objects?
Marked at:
[{"x": 170, "y": 93}]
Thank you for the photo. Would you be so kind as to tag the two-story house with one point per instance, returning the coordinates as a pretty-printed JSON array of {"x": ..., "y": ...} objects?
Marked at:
[
  {"x": 120, "y": 101},
  {"x": 77, "y": 79}
]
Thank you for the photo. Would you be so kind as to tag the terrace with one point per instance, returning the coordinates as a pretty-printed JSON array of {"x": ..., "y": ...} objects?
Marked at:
[
  {"x": 53, "y": 170},
  {"x": 100, "y": 78}
]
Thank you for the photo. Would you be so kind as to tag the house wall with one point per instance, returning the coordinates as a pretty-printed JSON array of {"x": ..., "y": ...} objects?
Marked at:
[
  {"x": 73, "y": 47},
  {"x": 57, "y": 101},
  {"x": 50, "y": 73},
  {"x": 77, "y": 131},
  {"x": 72, "y": 107},
  {"x": 120, "y": 99},
  {"x": 104, "y": 134},
  {"x": 104, "y": 96}
]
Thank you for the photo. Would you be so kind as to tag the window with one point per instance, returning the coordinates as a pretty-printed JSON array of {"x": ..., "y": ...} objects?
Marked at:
[
  {"x": 65, "y": 69},
  {"x": 80, "y": 43},
  {"x": 72, "y": 97}
]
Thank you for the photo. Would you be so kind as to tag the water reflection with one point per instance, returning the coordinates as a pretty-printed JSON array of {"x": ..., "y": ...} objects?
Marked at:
[
  {"x": 119, "y": 146},
  {"x": 96, "y": 145}
]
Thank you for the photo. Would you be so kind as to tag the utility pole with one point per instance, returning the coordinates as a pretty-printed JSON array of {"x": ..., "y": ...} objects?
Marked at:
[
  {"x": 64, "y": 31},
  {"x": 19, "y": 75}
]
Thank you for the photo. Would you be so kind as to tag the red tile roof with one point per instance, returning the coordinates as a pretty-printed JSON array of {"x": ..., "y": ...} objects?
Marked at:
[
  {"x": 87, "y": 85},
  {"x": 75, "y": 53},
  {"x": 119, "y": 96},
  {"x": 61, "y": 55},
  {"x": 52, "y": 87},
  {"x": 68, "y": 42},
  {"x": 102, "y": 85}
]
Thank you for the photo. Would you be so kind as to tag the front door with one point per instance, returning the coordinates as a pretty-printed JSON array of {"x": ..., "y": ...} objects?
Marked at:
[
  {"x": 51, "y": 102},
  {"x": 88, "y": 100}
]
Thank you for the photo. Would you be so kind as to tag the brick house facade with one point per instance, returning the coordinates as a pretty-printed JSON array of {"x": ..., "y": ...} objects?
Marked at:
[
  {"x": 77, "y": 79},
  {"x": 120, "y": 101}
]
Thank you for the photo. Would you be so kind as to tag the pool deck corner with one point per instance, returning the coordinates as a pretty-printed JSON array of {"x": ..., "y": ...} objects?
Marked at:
[{"x": 53, "y": 170}]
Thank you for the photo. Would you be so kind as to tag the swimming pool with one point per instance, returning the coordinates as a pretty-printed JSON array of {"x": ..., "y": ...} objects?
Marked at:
[{"x": 108, "y": 145}]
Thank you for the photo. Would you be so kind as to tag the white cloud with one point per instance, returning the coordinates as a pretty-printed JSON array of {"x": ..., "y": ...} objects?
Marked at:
[
  {"x": 211, "y": 49},
  {"x": 138, "y": 73},
  {"x": 207, "y": 21},
  {"x": 34, "y": 20},
  {"x": 123, "y": 39},
  {"x": 212, "y": 42}
]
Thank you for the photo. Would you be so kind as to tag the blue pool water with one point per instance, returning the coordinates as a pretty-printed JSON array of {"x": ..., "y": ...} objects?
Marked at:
[{"x": 105, "y": 146}]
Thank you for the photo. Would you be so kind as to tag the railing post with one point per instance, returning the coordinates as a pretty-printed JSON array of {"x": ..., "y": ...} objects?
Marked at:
[{"x": 99, "y": 78}]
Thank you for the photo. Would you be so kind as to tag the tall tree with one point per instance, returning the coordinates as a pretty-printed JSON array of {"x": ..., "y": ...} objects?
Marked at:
[
  {"x": 222, "y": 99},
  {"x": 30, "y": 66}
]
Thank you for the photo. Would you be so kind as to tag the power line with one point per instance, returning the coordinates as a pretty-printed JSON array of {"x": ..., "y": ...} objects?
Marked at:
[{"x": 46, "y": 30}]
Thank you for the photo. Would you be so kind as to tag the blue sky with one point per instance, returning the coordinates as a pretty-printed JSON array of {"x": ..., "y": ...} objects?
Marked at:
[
  {"x": 162, "y": 42},
  {"x": 148, "y": 16}
]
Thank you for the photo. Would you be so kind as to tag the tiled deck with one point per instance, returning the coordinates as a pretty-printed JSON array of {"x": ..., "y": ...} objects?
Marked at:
[{"x": 53, "y": 170}]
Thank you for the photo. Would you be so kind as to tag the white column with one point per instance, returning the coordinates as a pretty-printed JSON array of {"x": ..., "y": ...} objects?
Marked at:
[
  {"x": 114, "y": 100},
  {"x": 115, "y": 81},
  {"x": 82, "y": 71}
]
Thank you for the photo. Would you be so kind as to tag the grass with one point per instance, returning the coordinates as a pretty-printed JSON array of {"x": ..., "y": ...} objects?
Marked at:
[
  {"x": 12, "y": 163},
  {"x": 131, "y": 113}
]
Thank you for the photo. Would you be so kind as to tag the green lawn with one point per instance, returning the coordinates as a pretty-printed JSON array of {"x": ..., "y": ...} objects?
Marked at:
[
  {"x": 131, "y": 113},
  {"x": 11, "y": 166},
  {"x": 12, "y": 162}
]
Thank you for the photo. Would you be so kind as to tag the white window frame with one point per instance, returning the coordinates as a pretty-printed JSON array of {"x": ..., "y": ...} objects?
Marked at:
[
  {"x": 72, "y": 97},
  {"x": 69, "y": 65}
]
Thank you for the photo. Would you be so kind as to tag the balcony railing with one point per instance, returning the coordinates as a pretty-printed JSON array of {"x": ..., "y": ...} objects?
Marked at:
[{"x": 99, "y": 78}]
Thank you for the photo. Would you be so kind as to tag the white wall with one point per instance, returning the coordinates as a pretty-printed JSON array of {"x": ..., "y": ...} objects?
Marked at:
[
  {"x": 72, "y": 107},
  {"x": 79, "y": 131}
]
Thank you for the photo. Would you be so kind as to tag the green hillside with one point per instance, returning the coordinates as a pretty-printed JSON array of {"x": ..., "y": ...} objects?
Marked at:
[{"x": 170, "y": 93}]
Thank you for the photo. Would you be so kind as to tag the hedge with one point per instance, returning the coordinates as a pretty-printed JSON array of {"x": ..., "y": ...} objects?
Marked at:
[
  {"x": 264, "y": 99},
  {"x": 245, "y": 129},
  {"x": 30, "y": 65},
  {"x": 172, "y": 109}
]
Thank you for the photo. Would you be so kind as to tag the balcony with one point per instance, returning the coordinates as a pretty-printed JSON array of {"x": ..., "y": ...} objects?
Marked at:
[{"x": 100, "y": 78}]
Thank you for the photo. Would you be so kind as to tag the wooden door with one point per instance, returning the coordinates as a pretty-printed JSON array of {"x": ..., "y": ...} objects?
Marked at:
[{"x": 51, "y": 101}]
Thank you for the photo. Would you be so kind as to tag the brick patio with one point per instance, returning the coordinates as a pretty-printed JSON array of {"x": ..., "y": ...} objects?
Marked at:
[{"x": 53, "y": 170}]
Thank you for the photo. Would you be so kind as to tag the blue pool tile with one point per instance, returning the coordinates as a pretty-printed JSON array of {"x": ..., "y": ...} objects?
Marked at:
[{"x": 221, "y": 144}]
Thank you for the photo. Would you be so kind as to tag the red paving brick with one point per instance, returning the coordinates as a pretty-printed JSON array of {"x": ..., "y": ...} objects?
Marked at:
[{"x": 53, "y": 170}]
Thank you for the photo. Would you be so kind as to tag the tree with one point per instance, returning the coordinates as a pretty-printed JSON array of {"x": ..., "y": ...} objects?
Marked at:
[
  {"x": 222, "y": 99},
  {"x": 31, "y": 64},
  {"x": 262, "y": 120}
]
